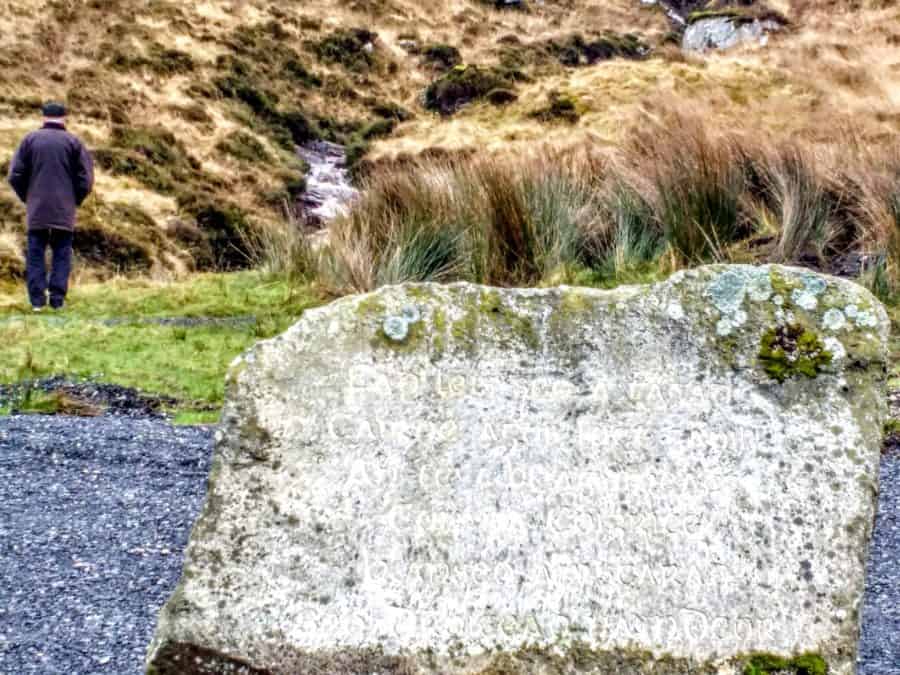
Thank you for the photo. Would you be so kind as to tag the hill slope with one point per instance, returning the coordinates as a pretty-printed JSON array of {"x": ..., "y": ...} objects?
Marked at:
[{"x": 193, "y": 109}]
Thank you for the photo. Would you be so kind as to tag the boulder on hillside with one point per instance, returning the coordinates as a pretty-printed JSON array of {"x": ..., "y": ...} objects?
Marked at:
[
  {"x": 724, "y": 32},
  {"x": 678, "y": 478}
]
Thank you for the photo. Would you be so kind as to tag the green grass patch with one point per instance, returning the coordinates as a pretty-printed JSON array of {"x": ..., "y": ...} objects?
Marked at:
[
  {"x": 108, "y": 334},
  {"x": 38, "y": 403},
  {"x": 196, "y": 417}
]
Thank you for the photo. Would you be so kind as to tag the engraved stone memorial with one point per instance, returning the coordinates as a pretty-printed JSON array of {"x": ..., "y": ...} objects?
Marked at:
[{"x": 678, "y": 478}]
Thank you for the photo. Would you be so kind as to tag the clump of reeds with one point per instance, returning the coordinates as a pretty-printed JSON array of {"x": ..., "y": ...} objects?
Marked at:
[{"x": 673, "y": 196}]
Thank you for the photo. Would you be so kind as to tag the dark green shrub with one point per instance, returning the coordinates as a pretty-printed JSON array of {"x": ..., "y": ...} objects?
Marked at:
[
  {"x": 105, "y": 248},
  {"x": 501, "y": 96},
  {"x": 192, "y": 112},
  {"x": 350, "y": 48},
  {"x": 441, "y": 55},
  {"x": 299, "y": 125},
  {"x": 160, "y": 60},
  {"x": 201, "y": 89},
  {"x": 576, "y": 50},
  {"x": 461, "y": 85},
  {"x": 377, "y": 129},
  {"x": 298, "y": 72},
  {"x": 166, "y": 61},
  {"x": 125, "y": 163},
  {"x": 224, "y": 225},
  {"x": 391, "y": 111},
  {"x": 245, "y": 147},
  {"x": 559, "y": 108},
  {"x": 11, "y": 209},
  {"x": 11, "y": 265},
  {"x": 517, "y": 5},
  {"x": 242, "y": 87}
]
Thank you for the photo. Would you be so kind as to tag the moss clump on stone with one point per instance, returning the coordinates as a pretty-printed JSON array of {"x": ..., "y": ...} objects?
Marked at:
[
  {"x": 770, "y": 664},
  {"x": 791, "y": 350}
]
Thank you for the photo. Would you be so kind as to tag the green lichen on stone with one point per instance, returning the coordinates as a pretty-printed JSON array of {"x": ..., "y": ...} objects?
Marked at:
[
  {"x": 488, "y": 308},
  {"x": 439, "y": 328},
  {"x": 791, "y": 350},
  {"x": 770, "y": 664},
  {"x": 518, "y": 325},
  {"x": 575, "y": 305},
  {"x": 463, "y": 330},
  {"x": 783, "y": 285},
  {"x": 414, "y": 337},
  {"x": 370, "y": 307}
]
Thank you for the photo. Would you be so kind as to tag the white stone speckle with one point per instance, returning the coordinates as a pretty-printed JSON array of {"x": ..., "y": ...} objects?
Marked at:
[{"x": 675, "y": 311}]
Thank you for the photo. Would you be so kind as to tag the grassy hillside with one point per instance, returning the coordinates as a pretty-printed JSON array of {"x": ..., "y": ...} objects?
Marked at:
[{"x": 192, "y": 109}]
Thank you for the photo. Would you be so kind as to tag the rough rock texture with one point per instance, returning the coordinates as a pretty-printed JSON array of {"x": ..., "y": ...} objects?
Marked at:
[
  {"x": 669, "y": 479},
  {"x": 725, "y": 32}
]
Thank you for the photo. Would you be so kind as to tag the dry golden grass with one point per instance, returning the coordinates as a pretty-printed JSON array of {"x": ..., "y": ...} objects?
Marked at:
[{"x": 834, "y": 73}]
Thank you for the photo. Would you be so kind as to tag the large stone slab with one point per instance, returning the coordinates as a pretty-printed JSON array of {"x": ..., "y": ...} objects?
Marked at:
[{"x": 455, "y": 479}]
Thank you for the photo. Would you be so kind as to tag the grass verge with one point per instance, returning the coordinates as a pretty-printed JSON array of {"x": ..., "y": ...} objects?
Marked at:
[{"x": 112, "y": 333}]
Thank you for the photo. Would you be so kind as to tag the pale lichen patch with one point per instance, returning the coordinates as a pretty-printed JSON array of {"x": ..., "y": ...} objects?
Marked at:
[{"x": 834, "y": 320}]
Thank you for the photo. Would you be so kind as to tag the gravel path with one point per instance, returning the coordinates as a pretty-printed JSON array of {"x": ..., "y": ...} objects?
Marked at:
[
  {"x": 94, "y": 514},
  {"x": 880, "y": 648}
]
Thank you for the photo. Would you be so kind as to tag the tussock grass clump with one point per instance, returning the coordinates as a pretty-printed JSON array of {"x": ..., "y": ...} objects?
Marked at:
[{"x": 675, "y": 195}]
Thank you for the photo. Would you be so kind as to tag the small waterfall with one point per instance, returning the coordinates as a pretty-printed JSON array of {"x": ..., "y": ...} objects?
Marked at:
[{"x": 328, "y": 188}]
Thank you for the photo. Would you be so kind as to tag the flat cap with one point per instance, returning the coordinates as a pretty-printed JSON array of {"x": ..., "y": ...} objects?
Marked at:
[{"x": 52, "y": 109}]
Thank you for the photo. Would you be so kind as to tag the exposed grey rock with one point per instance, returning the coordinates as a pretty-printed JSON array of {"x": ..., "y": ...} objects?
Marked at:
[
  {"x": 456, "y": 479},
  {"x": 725, "y": 32}
]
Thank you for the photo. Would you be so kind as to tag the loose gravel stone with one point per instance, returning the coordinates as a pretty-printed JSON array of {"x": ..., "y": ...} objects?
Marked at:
[
  {"x": 95, "y": 514},
  {"x": 879, "y": 652}
]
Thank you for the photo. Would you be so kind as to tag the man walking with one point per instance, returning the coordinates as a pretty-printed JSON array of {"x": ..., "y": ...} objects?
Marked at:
[{"x": 52, "y": 172}]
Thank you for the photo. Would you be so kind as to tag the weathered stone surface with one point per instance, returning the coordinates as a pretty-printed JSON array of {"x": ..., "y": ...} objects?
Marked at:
[
  {"x": 428, "y": 479},
  {"x": 724, "y": 32}
]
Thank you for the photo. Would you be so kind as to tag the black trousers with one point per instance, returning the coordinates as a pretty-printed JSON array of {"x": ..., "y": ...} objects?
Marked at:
[{"x": 60, "y": 243}]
